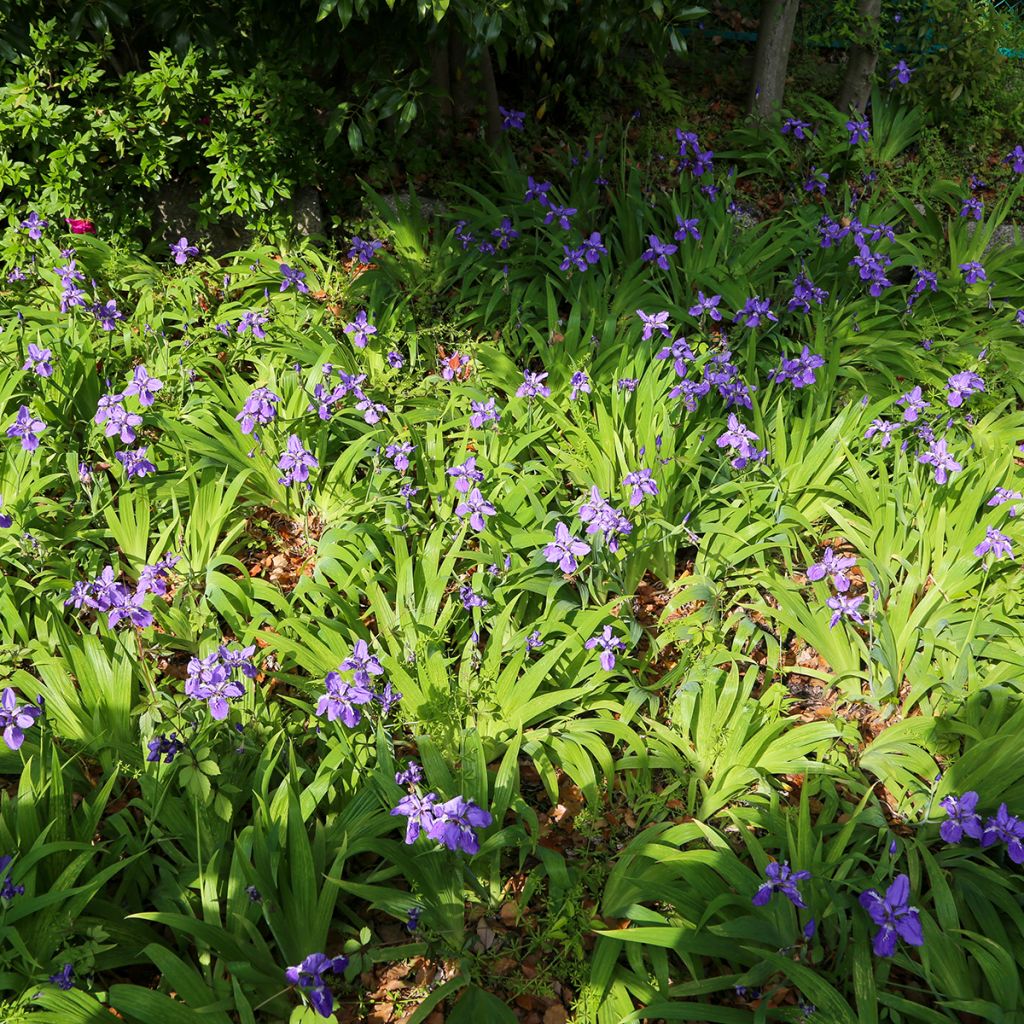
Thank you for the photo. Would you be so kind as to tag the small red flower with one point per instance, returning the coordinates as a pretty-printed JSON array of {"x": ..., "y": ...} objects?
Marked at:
[{"x": 80, "y": 226}]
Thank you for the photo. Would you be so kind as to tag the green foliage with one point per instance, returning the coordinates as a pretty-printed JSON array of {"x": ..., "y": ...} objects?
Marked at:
[
  {"x": 635, "y": 801},
  {"x": 75, "y": 135},
  {"x": 959, "y": 78}
]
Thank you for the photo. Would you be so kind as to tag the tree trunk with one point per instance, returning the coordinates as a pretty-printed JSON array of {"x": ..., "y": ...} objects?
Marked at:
[
  {"x": 774, "y": 39},
  {"x": 860, "y": 68},
  {"x": 491, "y": 96}
]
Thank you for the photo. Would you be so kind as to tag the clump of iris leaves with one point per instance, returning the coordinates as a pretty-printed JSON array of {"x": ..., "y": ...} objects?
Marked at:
[{"x": 318, "y": 591}]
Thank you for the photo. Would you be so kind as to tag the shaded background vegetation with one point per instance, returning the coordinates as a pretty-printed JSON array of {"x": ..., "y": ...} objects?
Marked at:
[{"x": 238, "y": 110}]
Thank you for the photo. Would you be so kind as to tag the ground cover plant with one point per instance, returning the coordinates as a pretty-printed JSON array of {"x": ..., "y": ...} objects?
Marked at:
[{"x": 589, "y": 603}]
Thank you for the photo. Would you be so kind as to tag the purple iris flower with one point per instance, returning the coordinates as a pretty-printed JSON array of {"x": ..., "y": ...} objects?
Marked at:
[
  {"x": 973, "y": 272},
  {"x": 963, "y": 819},
  {"x": 372, "y": 411},
  {"x": 609, "y": 643},
  {"x": 420, "y": 812},
  {"x": 470, "y": 598},
  {"x": 136, "y": 465},
  {"x": 939, "y": 457},
  {"x": 844, "y": 607},
  {"x": 799, "y": 371},
  {"x": 707, "y": 304},
  {"x": 399, "y": 453},
  {"x": 512, "y": 119},
  {"x": 153, "y": 579},
  {"x": 453, "y": 366},
  {"x": 805, "y": 291},
  {"x": 972, "y": 208},
  {"x": 680, "y": 353},
  {"x": 754, "y": 310},
  {"x": 831, "y": 232},
  {"x": 5, "y": 521},
  {"x": 533, "y": 386},
  {"x": 119, "y": 422},
  {"x": 237, "y": 657},
  {"x": 737, "y": 437},
  {"x": 72, "y": 296},
  {"x": 580, "y": 384},
  {"x": 290, "y": 276},
  {"x": 309, "y": 977},
  {"x": 798, "y": 128},
  {"x": 601, "y": 517},
  {"x": 781, "y": 878},
  {"x": 859, "y": 129},
  {"x": 211, "y": 681},
  {"x": 477, "y": 507},
  {"x": 872, "y": 267},
  {"x": 128, "y": 606},
  {"x": 565, "y": 549},
  {"x": 363, "y": 252},
  {"x": 1016, "y": 158},
  {"x": 103, "y": 592},
  {"x": 687, "y": 228},
  {"x": 69, "y": 273},
  {"x": 654, "y": 322},
  {"x": 1007, "y": 828},
  {"x": 107, "y": 313},
  {"x": 1002, "y": 495},
  {"x": 464, "y": 474},
  {"x": 923, "y": 281},
  {"x": 900, "y": 73},
  {"x": 252, "y": 321},
  {"x": 8, "y": 890},
  {"x": 26, "y": 427},
  {"x": 995, "y": 542},
  {"x": 464, "y": 237},
  {"x": 38, "y": 361},
  {"x": 913, "y": 404},
  {"x": 453, "y": 822},
  {"x": 834, "y": 566},
  {"x": 537, "y": 190},
  {"x": 360, "y": 329},
  {"x": 573, "y": 257},
  {"x": 362, "y": 664},
  {"x": 483, "y": 412},
  {"x": 895, "y": 918},
  {"x": 164, "y": 747},
  {"x": 144, "y": 386},
  {"x": 258, "y": 409},
  {"x": 342, "y": 700},
  {"x": 961, "y": 386},
  {"x": 658, "y": 251},
  {"x": 561, "y": 214},
  {"x": 296, "y": 462},
  {"x": 592, "y": 248},
  {"x": 505, "y": 233},
  {"x": 64, "y": 979},
  {"x": 15, "y": 718},
  {"x": 642, "y": 486},
  {"x": 410, "y": 776},
  {"x": 817, "y": 181},
  {"x": 35, "y": 224},
  {"x": 182, "y": 251}
]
